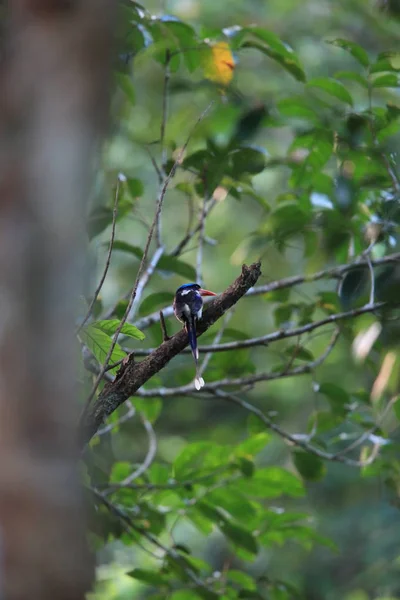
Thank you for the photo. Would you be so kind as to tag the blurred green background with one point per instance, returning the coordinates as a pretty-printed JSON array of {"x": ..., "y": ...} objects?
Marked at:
[{"x": 358, "y": 513}]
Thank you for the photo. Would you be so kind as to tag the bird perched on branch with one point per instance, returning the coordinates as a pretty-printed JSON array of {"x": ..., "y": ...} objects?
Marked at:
[{"x": 188, "y": 308}]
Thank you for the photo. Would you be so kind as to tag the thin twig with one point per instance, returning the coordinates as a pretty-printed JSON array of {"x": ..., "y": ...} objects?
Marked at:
[
  {"x": 128, "y": 415},
  {"x": 241, "y": 381},
  {"x": 149, "y": 458},
  {"x": 130, "y": 524},
  {"x": 296, "y": 440},
  {"x": 216, "y": 341},
  {"x": 142, "y": 263},
  {"x": 199, "y": 257},
  {"x": 280, "y": 284},
  {"x": 190, "y": 234},
  {"x": 144, "y": 280},
  {"x": 164, "y": 327},
  {"x": 105, "y": 271},
  {"x": 281, "y": 334},
  {"x": 166, "y": 486}
]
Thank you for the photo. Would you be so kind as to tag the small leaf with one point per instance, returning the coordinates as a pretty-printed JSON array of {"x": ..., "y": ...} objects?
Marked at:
[
  {"x": 239, "y": 536},
  {"x": 99, "y": 344},
  {"x": 355, "y": 50},
  {"x": 387, "y": 80},
  {"x": 126, "y": 247},
  {"x": 309, "y": 466},
  {"x": 353, "y": 286},
  {"x": 126, "y": 85},
  {"x": 333, "y": 88},
  {"x": 247, "y": 160},
  {"x": 171, "y": 264},
  {"x": 218, "y": 63},
  {"x": 98, "y": 220},
  {"x": 352, "y": 76},
  {"x": 253, "y": 445},
  {"x": 337, "y": 396},
  {"x": 149, "y": 407},
  {"x": 110, "y": 326},
  {"x": 135, "y": 187},
  {"x": 155, "y": 301},
  {"x": 147, "y": 576}
]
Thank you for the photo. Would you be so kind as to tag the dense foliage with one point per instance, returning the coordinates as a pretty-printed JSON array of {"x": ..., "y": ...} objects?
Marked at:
[{"x": 280, "y": 479}]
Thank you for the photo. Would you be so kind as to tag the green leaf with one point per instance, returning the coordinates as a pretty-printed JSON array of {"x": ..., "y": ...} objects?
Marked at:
[
  {"x": 353, "y": 286},
  {"x": 269, "y": 43},
  {"x": 297, "y": 107},
  {"x": 355, "y": 50},
  {"x": 126, "y": 247},
  {"x": 126, "y": 85},
  {"x": 332, "y": 87},
  {"x": 110, "y": 326},
  {"x": 286, "y": 220},
  {"x": 247, "y": 160},
  {"x": 387, "y": 80},
  {"x": 243, "y": 579},
  {"x": 255, "y": 425},
  {"x": 98, "y": 220},
  {"x": 135, "y": 187},
  {"x": 270, "y": 482},
  {"x": 147, "y": 576},
  {"x": 337, "y": 396},
  {"x": 171, "y": 264},
  {"x": 155, "y": 301},
  {"x": 149, "y": 407},
  {"x": 396, "y": 408},
  {"x": 239, "y": 536},
  {"x": 99, "y": 344},
  {"x": 253, "y": 445},
  {"x": 309, "y": 466},
  {"x": 352, "y": 76},
  {"x": 185, "y": 595},
  {"x": 233, "y": 502},
  {"x": 191, "y": 458}
]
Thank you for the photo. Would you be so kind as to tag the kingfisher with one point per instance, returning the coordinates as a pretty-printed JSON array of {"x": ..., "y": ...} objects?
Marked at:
[{"x": 188, "y": 309}]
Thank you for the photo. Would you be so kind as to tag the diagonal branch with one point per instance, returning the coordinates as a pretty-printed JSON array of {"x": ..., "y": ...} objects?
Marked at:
[{"x": 133, "y": 375}]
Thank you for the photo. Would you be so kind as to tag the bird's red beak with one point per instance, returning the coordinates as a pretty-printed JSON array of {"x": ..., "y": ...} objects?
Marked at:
[{"x": 206, "y": 293}]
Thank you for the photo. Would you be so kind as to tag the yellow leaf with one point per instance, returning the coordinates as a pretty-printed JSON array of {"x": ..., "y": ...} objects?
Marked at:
[{"x": 219, "y": 64}]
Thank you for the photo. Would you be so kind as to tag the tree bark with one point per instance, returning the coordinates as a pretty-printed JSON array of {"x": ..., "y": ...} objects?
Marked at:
[{"x": 54, "y": 81}]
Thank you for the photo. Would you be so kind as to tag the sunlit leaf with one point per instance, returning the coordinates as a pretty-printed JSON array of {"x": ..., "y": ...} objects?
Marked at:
[{"x": 218, "y": 63}]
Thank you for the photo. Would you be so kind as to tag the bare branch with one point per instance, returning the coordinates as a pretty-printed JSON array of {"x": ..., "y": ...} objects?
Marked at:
[
  {"x": 150, "y": 456},
  {"x": 144, "y": 280},
  {"x": 282, "y": 334},
  {"x": 296, "y": 440},
  {"x": 133, "y": 375},
  {"x": 240, "y": 381}
]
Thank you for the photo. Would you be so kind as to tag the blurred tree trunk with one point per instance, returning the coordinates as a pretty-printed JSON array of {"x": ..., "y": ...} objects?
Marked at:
[{"x": 54, "y": 81}]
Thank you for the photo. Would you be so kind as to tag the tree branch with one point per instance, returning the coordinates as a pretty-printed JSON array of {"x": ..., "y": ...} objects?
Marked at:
[
  {"x": 133, "y": 375},
  {"x": 286, "y": 282}
]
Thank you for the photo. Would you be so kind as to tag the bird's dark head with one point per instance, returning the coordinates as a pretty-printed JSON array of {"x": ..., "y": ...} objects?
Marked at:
[{"x": 188, "y": 287}]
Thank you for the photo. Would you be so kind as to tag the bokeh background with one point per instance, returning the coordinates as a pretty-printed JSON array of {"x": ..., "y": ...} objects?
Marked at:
[{"x": 357, "y": 512}]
